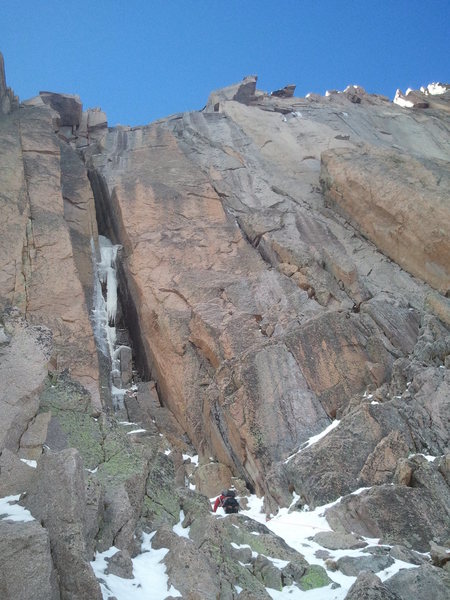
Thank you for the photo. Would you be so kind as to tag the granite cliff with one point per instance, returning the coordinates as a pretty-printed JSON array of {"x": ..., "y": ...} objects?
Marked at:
[{"x": 253, "y": 294}]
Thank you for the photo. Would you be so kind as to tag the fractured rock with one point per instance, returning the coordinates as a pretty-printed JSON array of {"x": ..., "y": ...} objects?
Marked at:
[
  {"x": 396, "y": 514},
  {"x": 27, "y": 570},
  {"x": 23, "y": 369},
  {"x": 58, "y": 500}
]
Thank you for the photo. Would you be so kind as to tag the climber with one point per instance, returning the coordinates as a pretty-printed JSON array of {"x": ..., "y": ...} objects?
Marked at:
[{"x": 227, "y": 500}]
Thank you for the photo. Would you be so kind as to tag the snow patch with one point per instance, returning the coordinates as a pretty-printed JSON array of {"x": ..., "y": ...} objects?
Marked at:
[
  {"x": 314, "y": 439},
  {"x": 179, "y": 529},
  {"x": 30, "y": 463},
  {"x": 435, "y": 89},
  {"x": 193, "y": 459},
  {"x": 11, "y": 511},
  {"x": 402, "y": 101},
  {"x": 150, "y": 581}
]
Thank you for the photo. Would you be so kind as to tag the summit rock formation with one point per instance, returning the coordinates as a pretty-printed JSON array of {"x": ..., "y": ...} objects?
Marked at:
[{"x": 282, "y": 313}]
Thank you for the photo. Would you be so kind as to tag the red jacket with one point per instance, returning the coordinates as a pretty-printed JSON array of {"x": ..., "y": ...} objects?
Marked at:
[{"x": 219, "y": 502}]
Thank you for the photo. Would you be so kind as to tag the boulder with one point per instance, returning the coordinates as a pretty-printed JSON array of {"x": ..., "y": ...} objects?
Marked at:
[
  {"x": 338, "y": 541},
  {"x": 369, "y": 587},
  {"x": 120, "y": 564},
  {"x": 424, "y": 583},
  {"x": 211, "y": 478},
  {"x": 243, "y": 92},
  {"x": 353, "y": 565},
  {"x": 396, "y": 514},
  {"x": 68, "y": 106},
  {"x": 27, "y": 569},
  {"x": 286, "y": 92},
  {"x": 440, "y": 555}
]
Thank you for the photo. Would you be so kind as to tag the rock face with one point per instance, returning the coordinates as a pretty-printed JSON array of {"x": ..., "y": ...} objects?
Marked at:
[
  {"x": 283, "y": 314},
  {"x": 48, "y": 221},
  {"x": 376, "y": 190},
  {"x": 58, "y": 500},
  {"x": 27, "y": 570}
]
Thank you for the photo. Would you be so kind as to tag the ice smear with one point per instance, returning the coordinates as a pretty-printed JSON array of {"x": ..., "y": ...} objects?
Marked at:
[
  {"x": 150, "y": 580},
  {"x": 315, "y": 438},
  {"x": 105, "y": 307},
  {"x": 11, "y": 511},
  {"x": 136, "y": 431}
]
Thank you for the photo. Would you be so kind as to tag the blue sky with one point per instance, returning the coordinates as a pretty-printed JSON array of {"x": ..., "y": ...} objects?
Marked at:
[{"x": 141, "y": 60}]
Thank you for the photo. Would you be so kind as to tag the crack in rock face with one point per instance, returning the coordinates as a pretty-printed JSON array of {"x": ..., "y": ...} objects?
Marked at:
[{"x": 252, "y": 297}]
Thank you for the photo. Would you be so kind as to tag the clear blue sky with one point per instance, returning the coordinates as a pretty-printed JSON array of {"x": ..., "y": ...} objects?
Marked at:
[{"x": 145, "y": 59}]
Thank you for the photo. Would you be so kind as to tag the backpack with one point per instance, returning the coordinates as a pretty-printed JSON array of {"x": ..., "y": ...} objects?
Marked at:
[{"x": 230, "y": 505}]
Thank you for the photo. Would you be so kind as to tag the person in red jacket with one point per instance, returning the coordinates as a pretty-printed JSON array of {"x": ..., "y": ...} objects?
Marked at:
[
  {"x": 227, "y": 500},
  {"x": 220, "y": 500}
]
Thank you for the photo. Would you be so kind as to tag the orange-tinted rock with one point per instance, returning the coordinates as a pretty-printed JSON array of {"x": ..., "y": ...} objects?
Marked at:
[
  {"x": 39, "y": 266},
  {"x": 398, "y": 202}
]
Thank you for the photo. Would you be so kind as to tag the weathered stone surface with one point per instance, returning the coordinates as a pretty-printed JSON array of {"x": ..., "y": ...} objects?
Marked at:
[
  {"x": 27, "y": 570},
  {"x": 377, "y": 190},
  {"x": 120, "y": 564},
  {"x": 68, "y": 106},
  {"x": 396, "y": 514},
  {"x": 409, "y": 556},
  {"x": 58, "y": 500},
  {"x": 23, "y": 369},
  {"x": 8, "y": 101},
  {"x": 338, "y": 358},
  {"x": 335, "y": 541},
  {"x": 353, "y": 565},
  {"x": 257, "y": 309},
  {"x": 369, "y": 587},
  {"x": 240, "y": 92},
  {"x": 196, "y": 322},
  {"x": 15, "y": 476},
  {"x": 286, "y": 92},
  {"x": 210, "y": 479},
  {"x": 36, "y": 253},
  {"x": 33, "y": 438},
  {"x": 440, "y": 555},
  {"x": 424, "y": 583}
]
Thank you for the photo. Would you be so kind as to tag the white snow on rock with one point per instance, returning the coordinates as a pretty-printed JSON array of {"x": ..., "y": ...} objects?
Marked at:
[
  {"x": 150, "y": 581},
  {"x": 30, "y": 463},
  {"x": 297, "y": 528},
  {"x": 193, "y": 459},
  {"x": 401, "y": 101},
  {"x": 315, "y": 438},
  {"x": 435, "y": 89},
  {"x": 11, "y": 511},
  {"x": 179, "y": 529}
]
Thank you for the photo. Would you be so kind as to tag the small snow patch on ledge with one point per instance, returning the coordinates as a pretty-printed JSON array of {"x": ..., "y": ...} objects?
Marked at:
[
  {"x": 30, "y": 463},
  {"x": 314, "y": 439},
  {"x": 11, "y": 511}
]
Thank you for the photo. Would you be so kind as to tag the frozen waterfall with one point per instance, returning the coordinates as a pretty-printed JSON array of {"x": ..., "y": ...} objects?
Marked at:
[{"x": 105, "y": 311}]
